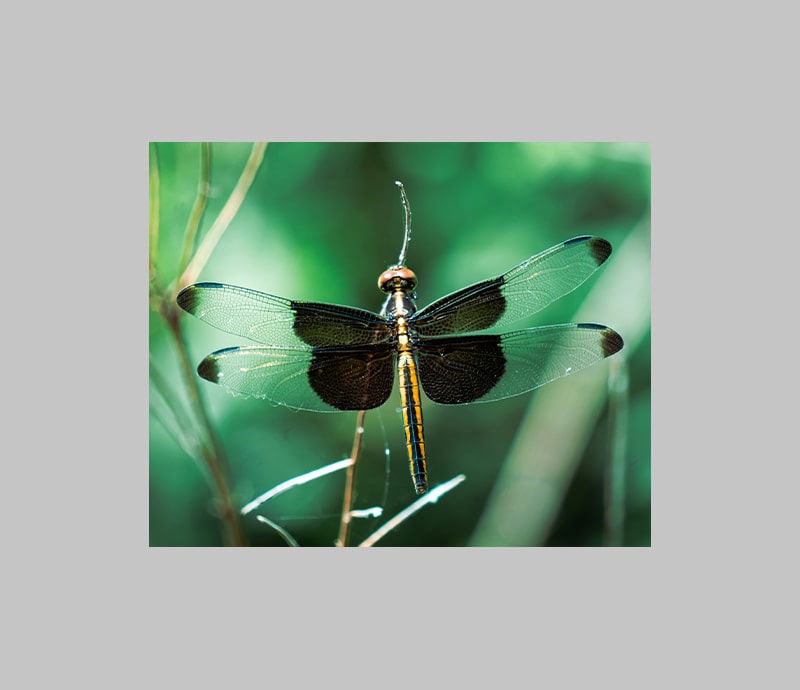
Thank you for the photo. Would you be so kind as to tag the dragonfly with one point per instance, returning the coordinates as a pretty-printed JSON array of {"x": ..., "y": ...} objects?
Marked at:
[{"x": 333, "y": 358}]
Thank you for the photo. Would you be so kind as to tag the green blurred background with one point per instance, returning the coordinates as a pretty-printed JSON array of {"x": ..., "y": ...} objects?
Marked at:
[{"x": 320, "y": 222}]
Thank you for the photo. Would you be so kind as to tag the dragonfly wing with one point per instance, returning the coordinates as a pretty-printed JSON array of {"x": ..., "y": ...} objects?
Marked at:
[
  {"x": 522, "y": 291},
  {"x": 482, "y": 368},
  {"x": 304, "y": 378},
  {"x": 277, "y": 321}
]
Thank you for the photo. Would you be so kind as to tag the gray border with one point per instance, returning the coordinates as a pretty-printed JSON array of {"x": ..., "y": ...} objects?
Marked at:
[{"x": 96, "y": 603}]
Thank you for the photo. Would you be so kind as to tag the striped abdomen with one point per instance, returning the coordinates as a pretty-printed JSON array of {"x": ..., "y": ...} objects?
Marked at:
[{"x": 412, "y": 418}]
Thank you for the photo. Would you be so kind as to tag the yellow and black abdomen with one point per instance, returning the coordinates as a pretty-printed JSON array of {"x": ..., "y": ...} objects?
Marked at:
[{"x": 412, "y": 417}]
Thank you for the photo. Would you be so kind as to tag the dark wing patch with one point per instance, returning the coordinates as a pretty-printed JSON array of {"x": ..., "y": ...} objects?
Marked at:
[
  {"x": 322, "y": 325},
  {"x": 484, "y": 368},
  {"x": 460, "y": 370},
  {"x": 352, "y": 379}
]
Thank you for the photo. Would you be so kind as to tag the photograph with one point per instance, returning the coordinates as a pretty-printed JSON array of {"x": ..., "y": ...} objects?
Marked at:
[{"x": 327, "y": 320}]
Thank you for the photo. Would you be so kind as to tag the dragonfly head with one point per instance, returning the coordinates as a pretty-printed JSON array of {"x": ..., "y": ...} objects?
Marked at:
[{"x": 397, "y": 278}]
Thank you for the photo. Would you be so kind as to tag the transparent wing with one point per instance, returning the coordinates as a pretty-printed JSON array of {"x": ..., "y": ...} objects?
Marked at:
[
  {"x": 522, "y": 291},
  {"x": 277, "y": 321}
]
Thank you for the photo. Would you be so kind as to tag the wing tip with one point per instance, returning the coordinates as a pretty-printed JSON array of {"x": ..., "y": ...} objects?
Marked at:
[
  {"x": 611, "y": 342},
  {"x": 208, "y": 370},
  {"x": 600, "y": 249},
  {"x": 187, "y": 298}
]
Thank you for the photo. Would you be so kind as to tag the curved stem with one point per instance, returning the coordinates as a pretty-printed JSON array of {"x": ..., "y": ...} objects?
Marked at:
[
  {"x": 193, "y": 224},
  {"x": 211, "y": 450},
  {"x": 225, "y": 216},
  {"x": 350, "y": 481},
  {"x": 155, "y": 186},
  {"x": 431, "y": 497}
]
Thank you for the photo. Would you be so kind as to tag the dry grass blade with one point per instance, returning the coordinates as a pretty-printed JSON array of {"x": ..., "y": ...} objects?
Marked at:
[
  {"x": 295, "y": 481},
  {"x": 431, "y": 497},
  {"x": 288, "y": 538},
  {"x": 154, "y": 207},
  {"x": 225, "y": 216}
]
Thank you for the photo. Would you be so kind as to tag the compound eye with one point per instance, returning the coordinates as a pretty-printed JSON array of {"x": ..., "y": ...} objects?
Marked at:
[{"x": 397, "y": 278}]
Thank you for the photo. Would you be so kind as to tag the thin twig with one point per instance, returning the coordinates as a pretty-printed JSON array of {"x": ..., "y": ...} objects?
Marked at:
[
  {"x": 295, "y": 481},
  {"x": 212, "y": 452},
  {"x": 155, "y": 187},
  {"x": 288, "y": 538},
  {"x": 349, "y": 487},
  {"x": 199, "y": 207},
  {"x": 431, "y": 497},
  {"x": 225, "y": 216}
]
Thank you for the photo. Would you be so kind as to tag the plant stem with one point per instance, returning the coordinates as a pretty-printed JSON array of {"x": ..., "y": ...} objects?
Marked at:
[
  {"x": 193, "y": 224},
  {"x": 225, "y": 216},
  {"x": 350, "y": 480},
  {"x": 212, "y": 449},
  {"x": 614, "y": 518},
  {"x": 155, "y": 185},
  {"x": 431, "y": 497}
]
